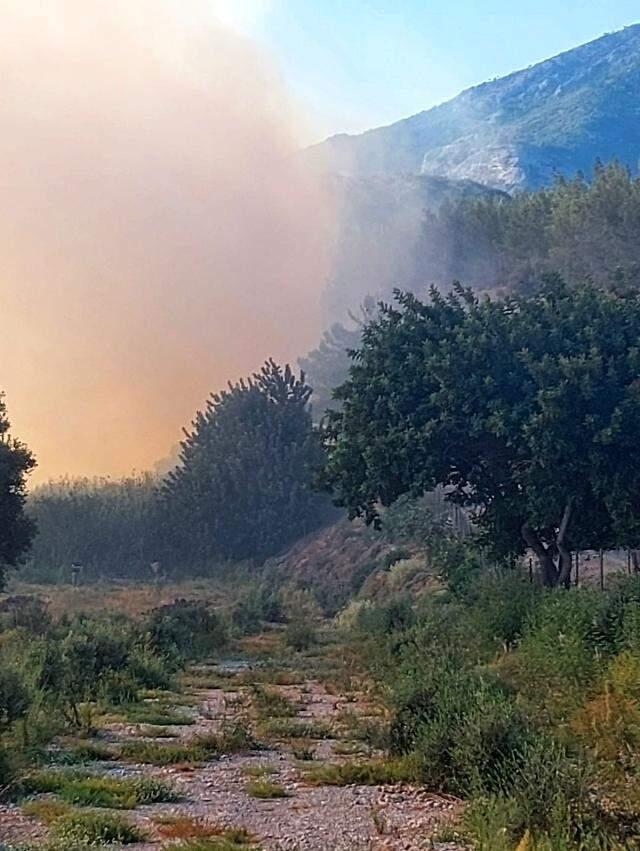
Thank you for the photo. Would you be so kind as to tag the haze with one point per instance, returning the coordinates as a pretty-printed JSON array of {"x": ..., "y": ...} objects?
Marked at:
[{"x": 148, "y": 252}]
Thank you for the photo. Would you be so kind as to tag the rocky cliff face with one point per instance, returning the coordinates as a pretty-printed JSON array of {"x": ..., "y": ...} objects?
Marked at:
[{"x": 516, "y": 132}]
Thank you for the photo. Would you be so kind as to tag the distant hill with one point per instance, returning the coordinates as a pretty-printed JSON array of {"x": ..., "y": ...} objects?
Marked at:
[{"x": 516, "y": 132}]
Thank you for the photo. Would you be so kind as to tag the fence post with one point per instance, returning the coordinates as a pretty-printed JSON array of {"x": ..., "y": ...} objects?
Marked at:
[
  {"x": 530, "y": 569},
  {"x": 602, "y": 570},
  {"x": 577, "y": 568},
  {"x": 629, "y": 561}
]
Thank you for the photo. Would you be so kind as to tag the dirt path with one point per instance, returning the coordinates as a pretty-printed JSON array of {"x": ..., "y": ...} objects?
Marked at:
[{"x": 310, "y": 817}]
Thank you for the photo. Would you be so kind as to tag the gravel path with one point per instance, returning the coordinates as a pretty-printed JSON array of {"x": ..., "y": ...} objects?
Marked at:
[{"x": 309, "y": 818}]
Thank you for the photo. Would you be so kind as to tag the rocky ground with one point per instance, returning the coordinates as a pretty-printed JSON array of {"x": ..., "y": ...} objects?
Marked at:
[{"x": 310, "y": 817}]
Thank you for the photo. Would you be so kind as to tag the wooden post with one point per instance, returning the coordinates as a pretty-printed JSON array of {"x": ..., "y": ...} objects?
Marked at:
[
  {"x": 602, "y": 569},
  {"x": 577, "y": 568},
  {"x": 629, "y": 562},
  {"x": 530, "y": 569}
]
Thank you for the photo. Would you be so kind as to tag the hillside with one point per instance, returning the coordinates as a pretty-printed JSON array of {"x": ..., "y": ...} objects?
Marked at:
[{"x": 517, "y": 131}]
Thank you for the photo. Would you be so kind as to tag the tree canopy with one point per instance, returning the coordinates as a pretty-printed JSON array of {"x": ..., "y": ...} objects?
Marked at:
[
  {"x": 576, "y": 228},
  {"x": 242, "y": 488},
  {"x": 526, "y": 409},
  {"x": 582, "y": 230},
  {"x": 16, "y": 528}
]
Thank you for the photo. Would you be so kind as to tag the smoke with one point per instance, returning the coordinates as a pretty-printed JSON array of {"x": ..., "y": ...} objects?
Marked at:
[{"x": 157, "y": 235}]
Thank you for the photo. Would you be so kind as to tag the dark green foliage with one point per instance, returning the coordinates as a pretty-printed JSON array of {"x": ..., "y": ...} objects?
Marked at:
[
  {"x": 109, "y": 527},
  {"x": 462, "y": 726},
  {"x": 258, "y": 604},
  {"x": 16, "y": 529},
  {"x": 15, "y": 698},
  {"x": 242, "y": 487},
  {"x": 499, "y": 243},
  {"x": 25, "y": 611},
  {"x": 527, "y": 410},
  {"x": 300, "y": 635},
  {"x": 523, "y": 699},
  {"x": 186, "y": 627},
  {"x": 97, "y": 659},
  {"x": 578, "y": 229}
]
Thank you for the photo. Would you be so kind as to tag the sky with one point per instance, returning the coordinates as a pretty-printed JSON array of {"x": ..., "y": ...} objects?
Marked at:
[{"x": 356, "y": 64}]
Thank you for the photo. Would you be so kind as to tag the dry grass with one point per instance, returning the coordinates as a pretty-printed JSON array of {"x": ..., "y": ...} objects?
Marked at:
[
  {"x": 184, "y": 827},
  {"x": 128, "y": 598}
]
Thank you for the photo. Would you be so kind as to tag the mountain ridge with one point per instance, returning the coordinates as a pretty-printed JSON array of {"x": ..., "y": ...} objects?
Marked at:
[{"x": 516, "y": 131}]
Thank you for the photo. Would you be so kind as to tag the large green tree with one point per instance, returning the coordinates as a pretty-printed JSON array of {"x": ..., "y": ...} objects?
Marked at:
[
  {"x": 526, "y": 409},
  {"x": 16, "y": 528},
  {"x": 242, "y": 488}
]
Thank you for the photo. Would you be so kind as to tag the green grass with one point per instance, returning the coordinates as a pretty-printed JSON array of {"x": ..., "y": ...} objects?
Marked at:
[
  {"x": 373, "y": 772},
  {"x": 269, "y": 703},
  {"x": 151, "y": 731},
  {"x": 159, "y": 716},
  {"x": 265, "y": 789},
  {"x": 46, "y": 810},
  {"x": 290, "y": 728},
  {"x": 258, "y": 770},
  {"x": 155, "y": 753},
  {"x": 85, "y": 751},
  {"x": 95, "y": 790},
  {"x": 95, "y": 828},
  {"x": 235, "y": 738},
  {"x": 232, "y": 840}
]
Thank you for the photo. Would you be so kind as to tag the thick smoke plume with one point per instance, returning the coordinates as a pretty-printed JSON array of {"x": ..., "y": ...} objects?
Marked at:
[{"x": 158, "y": 236}]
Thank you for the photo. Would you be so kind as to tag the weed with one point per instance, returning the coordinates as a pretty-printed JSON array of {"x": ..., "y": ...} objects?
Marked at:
[
  {"x": 183, "y": 827},
  {"x": 258, "y": 770},
  {"x": 148, "y": 713},
  {"x": 46, "y": 810},
  {"x": 96, "y": 790},
  {"x": 233, "y": 840},
  {"x": 87, "y": 751},
  {"x": 150, "y": 731},
  {"x": 289, "y": 728},
  {"x": 303, "y": 753},
  {"x": 95, "y": 828},
  {"x": 265, "y": 789},
  {"x": 373, "y": 772},
  {"x": 234, "y": 738},
  {"x": 269, "y": 703}
]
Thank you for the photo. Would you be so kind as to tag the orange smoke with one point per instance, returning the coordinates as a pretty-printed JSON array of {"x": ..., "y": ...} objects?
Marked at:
[{"x": 157, "y": 235}]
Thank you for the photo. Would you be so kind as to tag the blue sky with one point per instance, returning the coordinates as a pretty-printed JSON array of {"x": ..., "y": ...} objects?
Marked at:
[{"x": 356, "y": 64}]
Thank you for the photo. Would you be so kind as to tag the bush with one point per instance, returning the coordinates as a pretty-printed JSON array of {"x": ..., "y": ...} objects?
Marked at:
[
  {"x": 300, "y": 635},
  {"x": 15, "y": 698},
  {"x": 460, "y": 726},
  {"x": 258, "y": 605},
  {"x": 186, "y": 627}
]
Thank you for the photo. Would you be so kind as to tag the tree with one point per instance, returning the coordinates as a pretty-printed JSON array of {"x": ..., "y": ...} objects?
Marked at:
[
  {"x": 242, "y": 488},
  {"x": 527, "y": 410},
  {"x": 109, "y": 526},
  {"x": 16, "y": 528},
  {"x": 327, "y": 366}
]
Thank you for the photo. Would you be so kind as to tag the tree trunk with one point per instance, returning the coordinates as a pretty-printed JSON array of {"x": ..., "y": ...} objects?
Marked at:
[
  {"x": 552, "y": 574},
  {"x": 548, "y": 568}
]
